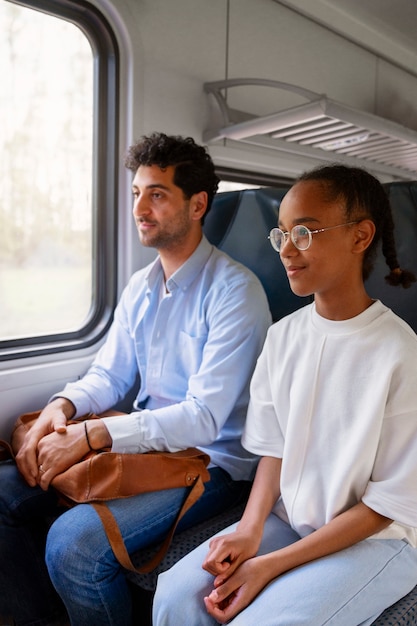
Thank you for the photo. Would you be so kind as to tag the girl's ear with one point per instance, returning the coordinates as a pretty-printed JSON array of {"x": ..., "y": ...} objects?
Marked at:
[
  {"x": 364, "y": 234},
  {"x": 198, "y": 205}
]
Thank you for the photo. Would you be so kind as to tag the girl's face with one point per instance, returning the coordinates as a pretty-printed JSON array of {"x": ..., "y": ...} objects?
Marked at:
[{"x": 331, "y": 268}]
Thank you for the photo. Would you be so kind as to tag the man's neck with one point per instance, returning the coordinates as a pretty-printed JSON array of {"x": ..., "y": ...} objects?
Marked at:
[{"x": 173, "y": 259}]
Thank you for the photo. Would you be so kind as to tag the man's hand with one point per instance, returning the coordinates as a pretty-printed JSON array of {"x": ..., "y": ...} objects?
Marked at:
[
  {"x": 53, "y": 418},
  {"x": 59, "y": 451}
]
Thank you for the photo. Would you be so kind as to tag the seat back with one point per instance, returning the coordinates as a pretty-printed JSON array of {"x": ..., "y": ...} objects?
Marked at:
[{"x": 239, "y": 223}]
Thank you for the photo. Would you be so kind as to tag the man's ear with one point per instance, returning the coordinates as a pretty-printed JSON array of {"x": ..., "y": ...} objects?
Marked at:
[
  {"x": 364, "y": 234},
  {"x": 198, "y": 204}
]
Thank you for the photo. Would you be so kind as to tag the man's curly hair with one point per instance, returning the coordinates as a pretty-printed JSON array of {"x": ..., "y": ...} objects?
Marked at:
[{"x": 194, "y": 168}]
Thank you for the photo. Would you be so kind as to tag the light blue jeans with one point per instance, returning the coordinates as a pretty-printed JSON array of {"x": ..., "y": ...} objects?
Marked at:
[
  {"x": 349, "y": 588},
  {"x": 79, "y": 560}
]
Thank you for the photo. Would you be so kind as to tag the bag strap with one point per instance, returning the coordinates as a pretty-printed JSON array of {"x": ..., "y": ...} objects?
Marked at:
[{"x": 116, "y": 540}]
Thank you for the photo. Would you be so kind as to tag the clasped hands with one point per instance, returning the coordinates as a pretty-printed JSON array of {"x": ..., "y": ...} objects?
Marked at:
[
  {"x": 51, "y": 446},
  {"x": 239, "y": 574}
]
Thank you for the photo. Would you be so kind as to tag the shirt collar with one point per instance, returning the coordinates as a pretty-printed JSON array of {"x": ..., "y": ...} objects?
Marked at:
[
  {"x": 185, "y": 275},
  {"x": 351, "y": 325}
]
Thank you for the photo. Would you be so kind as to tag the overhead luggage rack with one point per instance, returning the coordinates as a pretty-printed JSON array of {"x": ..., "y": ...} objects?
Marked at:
[{"x": 317, "y": 128}]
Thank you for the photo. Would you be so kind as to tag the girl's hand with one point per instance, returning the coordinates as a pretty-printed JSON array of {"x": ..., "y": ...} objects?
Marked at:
[
  {"x": 227, "y": 552},
  {"x": 238, "y": 591}
]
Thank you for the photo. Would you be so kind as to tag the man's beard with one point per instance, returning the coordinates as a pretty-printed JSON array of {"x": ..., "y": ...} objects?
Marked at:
[{"x": 165, "y": 237}]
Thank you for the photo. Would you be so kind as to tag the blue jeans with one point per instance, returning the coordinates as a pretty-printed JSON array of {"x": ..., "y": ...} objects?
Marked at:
[
  {"x": 348, "y": 588},
  {"x": 74, "y": 553}
]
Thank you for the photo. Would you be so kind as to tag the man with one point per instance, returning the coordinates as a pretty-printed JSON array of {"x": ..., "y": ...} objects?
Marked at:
[{"x": 190, "y": 326}]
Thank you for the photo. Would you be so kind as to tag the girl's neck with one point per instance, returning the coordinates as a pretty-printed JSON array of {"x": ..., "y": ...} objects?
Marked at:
[{"x": 342, "y": 309}]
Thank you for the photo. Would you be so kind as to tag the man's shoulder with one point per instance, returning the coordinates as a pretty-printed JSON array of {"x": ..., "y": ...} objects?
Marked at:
[
  {"x": 227, "y": 267},
  {"x": 228, "y": 285}
]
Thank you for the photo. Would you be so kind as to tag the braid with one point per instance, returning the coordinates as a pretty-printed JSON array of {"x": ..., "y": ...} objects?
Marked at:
[
  {"x": 365, "y": 198},
  {"x": 397, "y": 276}
]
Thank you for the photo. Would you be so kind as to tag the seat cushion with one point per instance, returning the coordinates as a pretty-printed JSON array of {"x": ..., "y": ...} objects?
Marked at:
[{"x": 402, "y": 613}]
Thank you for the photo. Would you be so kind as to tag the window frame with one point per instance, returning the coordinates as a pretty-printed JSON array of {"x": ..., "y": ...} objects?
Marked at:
[{"x": 104, "y": 185}]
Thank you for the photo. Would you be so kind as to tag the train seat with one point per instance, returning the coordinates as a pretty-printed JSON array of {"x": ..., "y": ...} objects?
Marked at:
[{"x": 239, "y": 223}]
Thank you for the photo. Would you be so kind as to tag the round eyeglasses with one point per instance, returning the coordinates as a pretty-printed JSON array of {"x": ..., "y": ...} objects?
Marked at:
[{"x": 300, "y": 235}]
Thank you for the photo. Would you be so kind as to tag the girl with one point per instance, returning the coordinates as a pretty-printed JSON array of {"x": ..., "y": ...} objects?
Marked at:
[{"x": 329, "y": 534}]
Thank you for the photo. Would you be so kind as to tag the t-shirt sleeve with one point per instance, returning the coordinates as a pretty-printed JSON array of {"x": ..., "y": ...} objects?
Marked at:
[
  {"x": 262, "y": 434},
  {"x": 392, "y": 490}
]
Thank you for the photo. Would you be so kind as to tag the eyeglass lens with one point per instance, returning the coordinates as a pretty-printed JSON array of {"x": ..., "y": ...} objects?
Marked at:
[{"x": 300, "y": 236}]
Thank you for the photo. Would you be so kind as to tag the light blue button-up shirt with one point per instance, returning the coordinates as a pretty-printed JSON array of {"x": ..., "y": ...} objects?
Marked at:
[{"x": 194, "y": 347}]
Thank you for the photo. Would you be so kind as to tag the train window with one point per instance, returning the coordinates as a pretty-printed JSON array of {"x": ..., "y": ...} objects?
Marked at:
[
  {"x": 57, "y": 224},
  {"x": 230, "y": 185}
]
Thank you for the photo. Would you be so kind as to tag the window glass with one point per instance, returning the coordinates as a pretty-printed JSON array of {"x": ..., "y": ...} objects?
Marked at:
[
  {"x": 229, "y": 185},
  {"x": 237, "y": 180},
  {"x": 46, "y": 144}
]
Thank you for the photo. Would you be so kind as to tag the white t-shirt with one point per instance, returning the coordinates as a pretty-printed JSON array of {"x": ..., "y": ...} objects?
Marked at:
[{"x": 337, "y": 401}]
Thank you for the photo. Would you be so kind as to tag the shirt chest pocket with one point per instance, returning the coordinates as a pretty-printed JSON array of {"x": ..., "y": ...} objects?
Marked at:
[{"x": 189, "y": 354}]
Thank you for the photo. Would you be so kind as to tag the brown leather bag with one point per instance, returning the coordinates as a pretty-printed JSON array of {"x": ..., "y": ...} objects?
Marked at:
[{"x": 103, "y": 475}]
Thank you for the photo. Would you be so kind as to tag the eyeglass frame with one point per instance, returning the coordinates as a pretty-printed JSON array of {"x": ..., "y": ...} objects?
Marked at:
[{"x": 286, "y": 234}]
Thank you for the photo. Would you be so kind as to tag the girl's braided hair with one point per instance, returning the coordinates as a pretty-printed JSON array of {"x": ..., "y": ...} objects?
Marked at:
[{"x": 364, "y": 198}]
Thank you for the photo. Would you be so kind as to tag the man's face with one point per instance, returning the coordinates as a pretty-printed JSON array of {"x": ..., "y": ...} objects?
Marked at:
[{"x": 163, "y": 216}]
